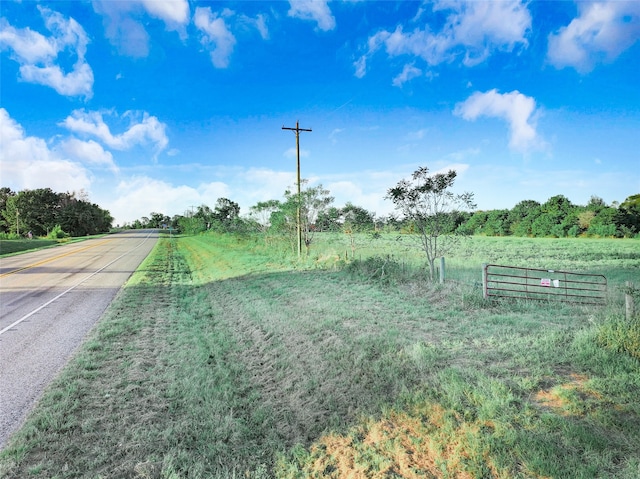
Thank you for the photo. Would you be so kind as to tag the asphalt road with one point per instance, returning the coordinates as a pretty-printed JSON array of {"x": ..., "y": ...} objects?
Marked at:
[{"x": 49, "y": 300}]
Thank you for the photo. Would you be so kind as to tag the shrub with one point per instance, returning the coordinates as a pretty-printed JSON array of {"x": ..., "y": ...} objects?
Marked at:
[
  {"x": 10, "y": 236},
  {"x": 378, "y": 268},
  {"x": 603, "y": 231},
  {"x": 57, "y": 233},
  {"x": 573, "y": 232}
]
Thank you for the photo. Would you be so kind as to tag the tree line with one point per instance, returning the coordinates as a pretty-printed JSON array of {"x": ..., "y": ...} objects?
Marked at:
[
  {"x": 557, "y": 217},
  {"x": 43, "y": 212},
  {"x": 428, "y": 211}
]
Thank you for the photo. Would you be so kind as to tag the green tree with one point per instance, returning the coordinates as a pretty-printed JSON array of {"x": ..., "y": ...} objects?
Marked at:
[
  {"x": 205, "y": 215},
  {"x": 5, "y": 194},
  {"x": 426, "y": 201},
  {"x": 32, "y": 210},
  {"x": 629, "y": 216},
  {"x": 313, "y": 202},
  {"x": 474, "y": 225},
  {"x": 226, "y": 212},
  {"x": 595, "y": 204},
  {"x": 554, "y": 217},
  {"x": 497, "y": 223},
  {"x": 604, "y": 223},
  {"x": 522, "y": 216},
  {"x": 157, "y": 220},
  {"x": 329, "y": 220},
  {"x": 358, "y": 216},
  {"x": 262, "y": 213}
]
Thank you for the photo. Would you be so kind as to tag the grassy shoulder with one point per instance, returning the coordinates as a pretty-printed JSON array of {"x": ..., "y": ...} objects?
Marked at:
[
  {"x": 220, "y": 360},
  {"x": 9, "y": 247}
]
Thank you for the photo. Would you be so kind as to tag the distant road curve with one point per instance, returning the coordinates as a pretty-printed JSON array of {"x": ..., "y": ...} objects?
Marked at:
[{"x": 49, "y": 300}]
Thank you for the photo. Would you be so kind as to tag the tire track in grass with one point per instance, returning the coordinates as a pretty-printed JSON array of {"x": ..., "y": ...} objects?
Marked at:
[{"x": 312, "y": 371}]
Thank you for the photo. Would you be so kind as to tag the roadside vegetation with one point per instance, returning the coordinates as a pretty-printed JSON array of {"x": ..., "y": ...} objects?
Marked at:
[
  {"x": 228, "y": 355},
  {"x": 225, "y": 356}
]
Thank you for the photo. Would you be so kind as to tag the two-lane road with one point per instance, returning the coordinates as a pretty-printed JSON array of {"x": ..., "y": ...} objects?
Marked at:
[{"x": 49, "y": 300}]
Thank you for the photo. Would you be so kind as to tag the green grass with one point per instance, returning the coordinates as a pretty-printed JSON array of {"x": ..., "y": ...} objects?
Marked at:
[
  {"x": 223, "y": 359},
  {"x": 10, "y": 247}
]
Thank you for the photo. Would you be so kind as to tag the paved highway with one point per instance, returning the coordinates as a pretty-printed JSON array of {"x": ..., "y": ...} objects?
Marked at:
[{"x": 49, "y": 300}]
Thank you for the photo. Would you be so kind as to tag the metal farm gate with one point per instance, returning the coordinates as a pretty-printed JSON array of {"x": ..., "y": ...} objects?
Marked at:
[{"x": 543, "y": 284}]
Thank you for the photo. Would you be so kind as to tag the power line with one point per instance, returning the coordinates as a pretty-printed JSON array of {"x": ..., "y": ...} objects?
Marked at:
[{"x": 297, "y": 129}]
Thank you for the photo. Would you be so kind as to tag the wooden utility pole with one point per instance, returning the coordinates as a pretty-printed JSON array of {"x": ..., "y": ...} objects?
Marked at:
[{"x": 297, "y": 129}]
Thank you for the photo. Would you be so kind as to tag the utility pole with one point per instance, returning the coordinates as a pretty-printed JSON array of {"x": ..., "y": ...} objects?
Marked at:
[{"x": 297, "y": 129}]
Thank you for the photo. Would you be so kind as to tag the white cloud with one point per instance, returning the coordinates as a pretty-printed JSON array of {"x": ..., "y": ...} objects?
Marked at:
[
  {"x": 124, "y": 32},
  {"x": 473, "y": 30},
  {"x": 28, "y": 163},
  {"x": 127, "y": 33},
  {"x": 333, "y": 136},
  {"x": 409, "y": 72},
  {"x": 28, "y": 46},
  {"x": 147, "y": 130},
  {"x": 210, "y": 192},
  {"x": 38, "y": 55},
  {"x": 89, "y": 152},
  {"x": 416, "y": 135},
  {"x": 360, "y": 66},
  {"x": 172, "y": 12},
  {"x": 601, "y": 33},
  {"x": 259, "y": 23},
  {"x": 314, "y": 10},
  {"x": 361, "y": 194},
  {"x": 515, "y": 108},
  {"x": 216, "y": 34},
  {"x": 139, "y": 196}
]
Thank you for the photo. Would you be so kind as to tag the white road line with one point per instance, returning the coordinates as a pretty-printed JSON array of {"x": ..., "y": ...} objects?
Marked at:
[{"x": 28, "y": 315}]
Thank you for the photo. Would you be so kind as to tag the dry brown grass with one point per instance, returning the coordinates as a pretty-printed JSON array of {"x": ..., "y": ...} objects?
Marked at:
[{"x": 427, "y": 442}]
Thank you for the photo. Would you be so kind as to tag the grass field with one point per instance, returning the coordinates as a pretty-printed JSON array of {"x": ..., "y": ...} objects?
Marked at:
[{"x": 224, "y": 358}]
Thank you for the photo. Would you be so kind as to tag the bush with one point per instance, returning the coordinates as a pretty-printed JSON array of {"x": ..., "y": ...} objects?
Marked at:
[
  {"x": 57, "y": 233},
  {"x": 603, "y": 231},
  {"x": 573, "y": 232},
  {"x": 384, "y": 269},
  {"x": 10, "y": 236}
]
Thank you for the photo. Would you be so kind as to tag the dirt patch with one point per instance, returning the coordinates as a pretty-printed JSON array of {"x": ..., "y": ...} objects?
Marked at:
[{"x": 569, "y": 398}]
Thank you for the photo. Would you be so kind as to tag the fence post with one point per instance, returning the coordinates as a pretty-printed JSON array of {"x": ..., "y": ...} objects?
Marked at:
[
  {"x": 628, "y": 301},
  {"x": 442, "y": 270},
  {"x": 484, "y": 280}
]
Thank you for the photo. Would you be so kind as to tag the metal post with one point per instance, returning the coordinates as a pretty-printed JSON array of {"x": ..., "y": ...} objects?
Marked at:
[{"x": 442, "y": 275}]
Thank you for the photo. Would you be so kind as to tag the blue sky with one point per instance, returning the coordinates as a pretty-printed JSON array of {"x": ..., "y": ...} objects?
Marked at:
[{"x": 161, "y": 106}]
